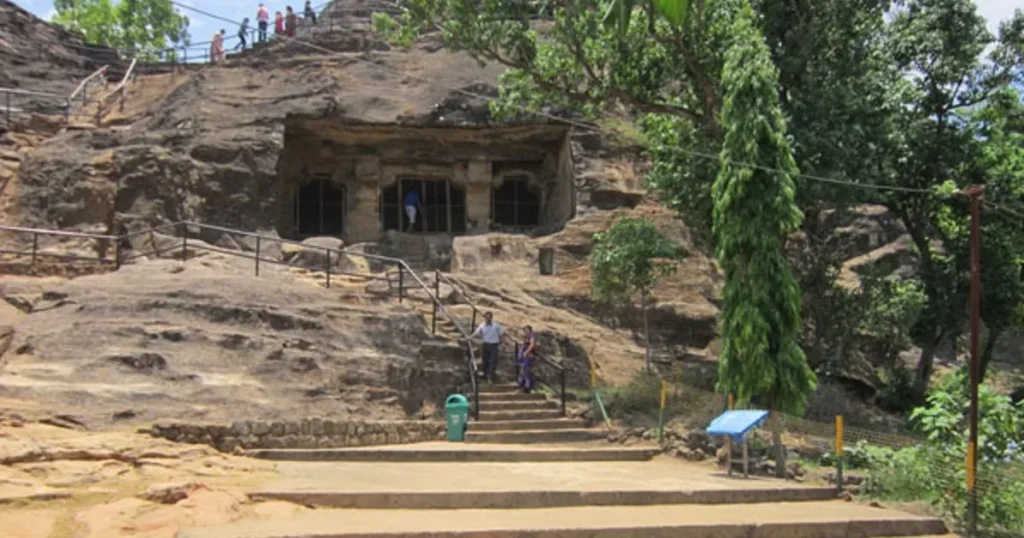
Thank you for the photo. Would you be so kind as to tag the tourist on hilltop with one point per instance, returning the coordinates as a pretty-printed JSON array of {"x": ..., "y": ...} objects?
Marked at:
[
  {"x": 243, "y": 31},
  {"x": 217, "y": 47},
  {"x": 412, "y": 205},
  {"x": 278, "y": 24},
  {"x": 262, "y": 21},
  {"x": 290, "y": 21},
  {"x": 525, "y": 355},
  {"x": 492, "y": 334},
  {"x": 309, "y": 14}
]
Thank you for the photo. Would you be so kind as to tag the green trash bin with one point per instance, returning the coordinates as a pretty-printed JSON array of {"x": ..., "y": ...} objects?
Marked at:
[{"x": 456, "y": 410}]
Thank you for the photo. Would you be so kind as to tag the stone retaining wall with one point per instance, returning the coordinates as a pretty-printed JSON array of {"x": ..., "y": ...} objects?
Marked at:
[{"x": 308, "y": 433}]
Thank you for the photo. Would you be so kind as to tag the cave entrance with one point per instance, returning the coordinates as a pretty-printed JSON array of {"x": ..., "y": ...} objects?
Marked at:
[
  {"x": 319, "y": 207},
  {"x": 442, "y": 206},
  {"x": 515, "y": 204}
]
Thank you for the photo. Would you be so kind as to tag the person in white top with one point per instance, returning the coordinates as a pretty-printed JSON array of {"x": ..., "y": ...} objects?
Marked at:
[{"x": 492, "y": 334}]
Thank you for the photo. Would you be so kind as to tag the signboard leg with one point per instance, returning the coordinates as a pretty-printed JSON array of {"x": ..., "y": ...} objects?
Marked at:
[{"x": 746, "y": 460}]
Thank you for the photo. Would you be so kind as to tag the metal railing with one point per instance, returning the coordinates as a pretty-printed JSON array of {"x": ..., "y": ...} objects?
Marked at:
[
  {"x": 116, "y": 250},
  {"x": 83, "y": 87},
  {"x": 545, "y": 363},
  {"x": 8, "y": 96},
  {"x": 116, "y": 96}
]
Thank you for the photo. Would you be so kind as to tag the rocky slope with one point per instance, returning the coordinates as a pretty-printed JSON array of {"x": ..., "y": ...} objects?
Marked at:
[
  {"x": 37, "y": 56},
  {"x": 205, "y": 341}
]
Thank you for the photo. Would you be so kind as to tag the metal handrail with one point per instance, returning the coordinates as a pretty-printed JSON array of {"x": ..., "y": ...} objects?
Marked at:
[
  {"x": 85, "y": 82},
  {"x": 106, "y": 103},
  {"x": 183, "y": 227},
  {"x": 560, "y": 368}
]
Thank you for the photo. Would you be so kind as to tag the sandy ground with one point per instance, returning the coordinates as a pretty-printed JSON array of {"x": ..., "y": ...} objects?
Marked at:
[{"x": 62, "y": 483}]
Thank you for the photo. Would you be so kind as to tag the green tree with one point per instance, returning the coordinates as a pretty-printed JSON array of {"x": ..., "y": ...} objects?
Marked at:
[
  {"x": 626, "y": 262},
  {"x": 142, "y": 28},
  {"x": 755, "y": 210},
  {"x": 937, "y": 46}
]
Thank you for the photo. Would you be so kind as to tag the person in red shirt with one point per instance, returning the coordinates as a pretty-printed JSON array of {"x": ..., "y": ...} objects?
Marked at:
[
  {"x": 290, "y": 21},
  {"x": 278, "y": 24}
]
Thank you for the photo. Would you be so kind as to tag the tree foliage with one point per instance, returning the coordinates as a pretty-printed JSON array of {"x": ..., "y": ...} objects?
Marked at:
[
  {"x": 626, "y": 262},
  {"x": 755, "y": 210},
  {"x": 912, "y": 95},
  {"x": 142, "y": 28}
]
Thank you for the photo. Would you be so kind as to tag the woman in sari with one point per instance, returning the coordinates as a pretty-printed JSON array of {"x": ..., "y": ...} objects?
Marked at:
[{"x": 525, "y": 355}]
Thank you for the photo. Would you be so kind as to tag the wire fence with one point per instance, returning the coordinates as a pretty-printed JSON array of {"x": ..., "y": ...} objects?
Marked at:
[{"x": 918, "y": 472}]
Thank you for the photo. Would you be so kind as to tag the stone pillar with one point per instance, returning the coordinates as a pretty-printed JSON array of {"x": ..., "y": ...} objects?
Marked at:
[
  {"x": 478, "y": 195},
  {"x": 364, "y": 201}
]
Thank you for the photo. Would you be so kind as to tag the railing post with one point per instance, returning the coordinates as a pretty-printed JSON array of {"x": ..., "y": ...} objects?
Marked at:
[
  {"x": 184, "y": 242},
  {"x": 328, "y": 268},
  {"x": 257, "y": 255},
  {"x": 563, "y": 391},
  {"x": 437, "y": 297},
  {"x": 117, "y": 253},
  {"x": 401, "y": 282},
  {"x": 35, "y": 247}
]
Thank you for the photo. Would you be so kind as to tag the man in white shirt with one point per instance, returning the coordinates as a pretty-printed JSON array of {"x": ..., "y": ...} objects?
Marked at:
[{"x": 492, "y": 333}]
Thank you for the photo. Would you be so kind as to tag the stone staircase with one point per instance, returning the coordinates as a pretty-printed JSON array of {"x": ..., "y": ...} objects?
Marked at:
[
  {"x": 467, "y": 490},
  {"x": 509, "y": 416}
]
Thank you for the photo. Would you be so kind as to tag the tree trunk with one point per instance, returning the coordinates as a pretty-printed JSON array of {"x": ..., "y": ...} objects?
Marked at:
[
  {"x": 925, "y": 365},
  {"x": 780, "y": 450},
  {"x": 986, "y": 354},
  {"x": 647, "y": 337}
]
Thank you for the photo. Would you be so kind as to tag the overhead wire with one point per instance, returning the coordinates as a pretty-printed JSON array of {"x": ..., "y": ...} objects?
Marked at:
[{"x": 582, "y": 125}]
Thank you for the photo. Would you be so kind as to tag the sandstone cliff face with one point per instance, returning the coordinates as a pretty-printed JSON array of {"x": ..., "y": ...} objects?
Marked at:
[
  {"x": 37, "y": 56},
  {"x": 208, "y": 342}
]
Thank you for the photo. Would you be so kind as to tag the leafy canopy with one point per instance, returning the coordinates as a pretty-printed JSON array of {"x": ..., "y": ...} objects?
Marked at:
[
  {"x": 754, "y": 212},
  {"x": 145, "y": 28},
  {"x": 628, "y": 258}
]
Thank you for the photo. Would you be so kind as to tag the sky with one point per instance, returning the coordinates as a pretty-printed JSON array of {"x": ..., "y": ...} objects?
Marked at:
[{"x": 202, "y": 27}]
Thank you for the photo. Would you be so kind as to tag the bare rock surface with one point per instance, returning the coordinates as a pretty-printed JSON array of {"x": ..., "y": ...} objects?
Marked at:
[
  {"x": 208, "y": 340},
  {"x": 117, "y": 484}
]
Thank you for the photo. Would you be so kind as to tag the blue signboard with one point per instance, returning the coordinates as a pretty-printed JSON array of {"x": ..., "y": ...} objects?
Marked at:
[{"x": 737, "y": 423}]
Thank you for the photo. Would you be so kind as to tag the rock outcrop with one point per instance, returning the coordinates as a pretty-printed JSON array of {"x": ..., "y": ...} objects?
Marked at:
[{"x": 209, "y": 341}]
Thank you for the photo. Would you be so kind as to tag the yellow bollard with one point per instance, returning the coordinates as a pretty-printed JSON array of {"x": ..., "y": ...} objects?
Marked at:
[
  {"x": 839, "y": 435},
  {"x": 970, "y": 468},
  {"x": 839, "y": 452}
]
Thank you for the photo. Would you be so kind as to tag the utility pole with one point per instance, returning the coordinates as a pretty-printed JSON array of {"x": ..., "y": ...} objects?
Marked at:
[{"x": 974, "y": 195}]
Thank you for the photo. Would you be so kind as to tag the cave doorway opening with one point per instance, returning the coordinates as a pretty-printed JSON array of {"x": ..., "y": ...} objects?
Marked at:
[
  {"x": 319, "y": 208},
  {"x": 515, "y": 204},
  {"x": 443, "y": 206}
]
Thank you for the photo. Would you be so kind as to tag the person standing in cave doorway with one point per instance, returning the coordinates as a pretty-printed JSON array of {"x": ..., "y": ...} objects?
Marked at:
[
  {"x": 412, "y": 206},
  {"x": 492, "y": 334},
  {"x": 262, "y": 21}
]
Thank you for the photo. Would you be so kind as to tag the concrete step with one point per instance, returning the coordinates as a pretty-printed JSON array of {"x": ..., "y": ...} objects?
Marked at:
[
  {"x": 823, "y": 519},
  {"x": 467, "y": 500},
  {"x": 544, "y": 414},
  {"x": 519, "y": 425},
  {"x": 516, "y": 405},
  {"x": 457, "y": 452},
  {"x": 509, "y": 397},
  {"x": 499, "y": 389},
  {"x": 535, "y": 436}
]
